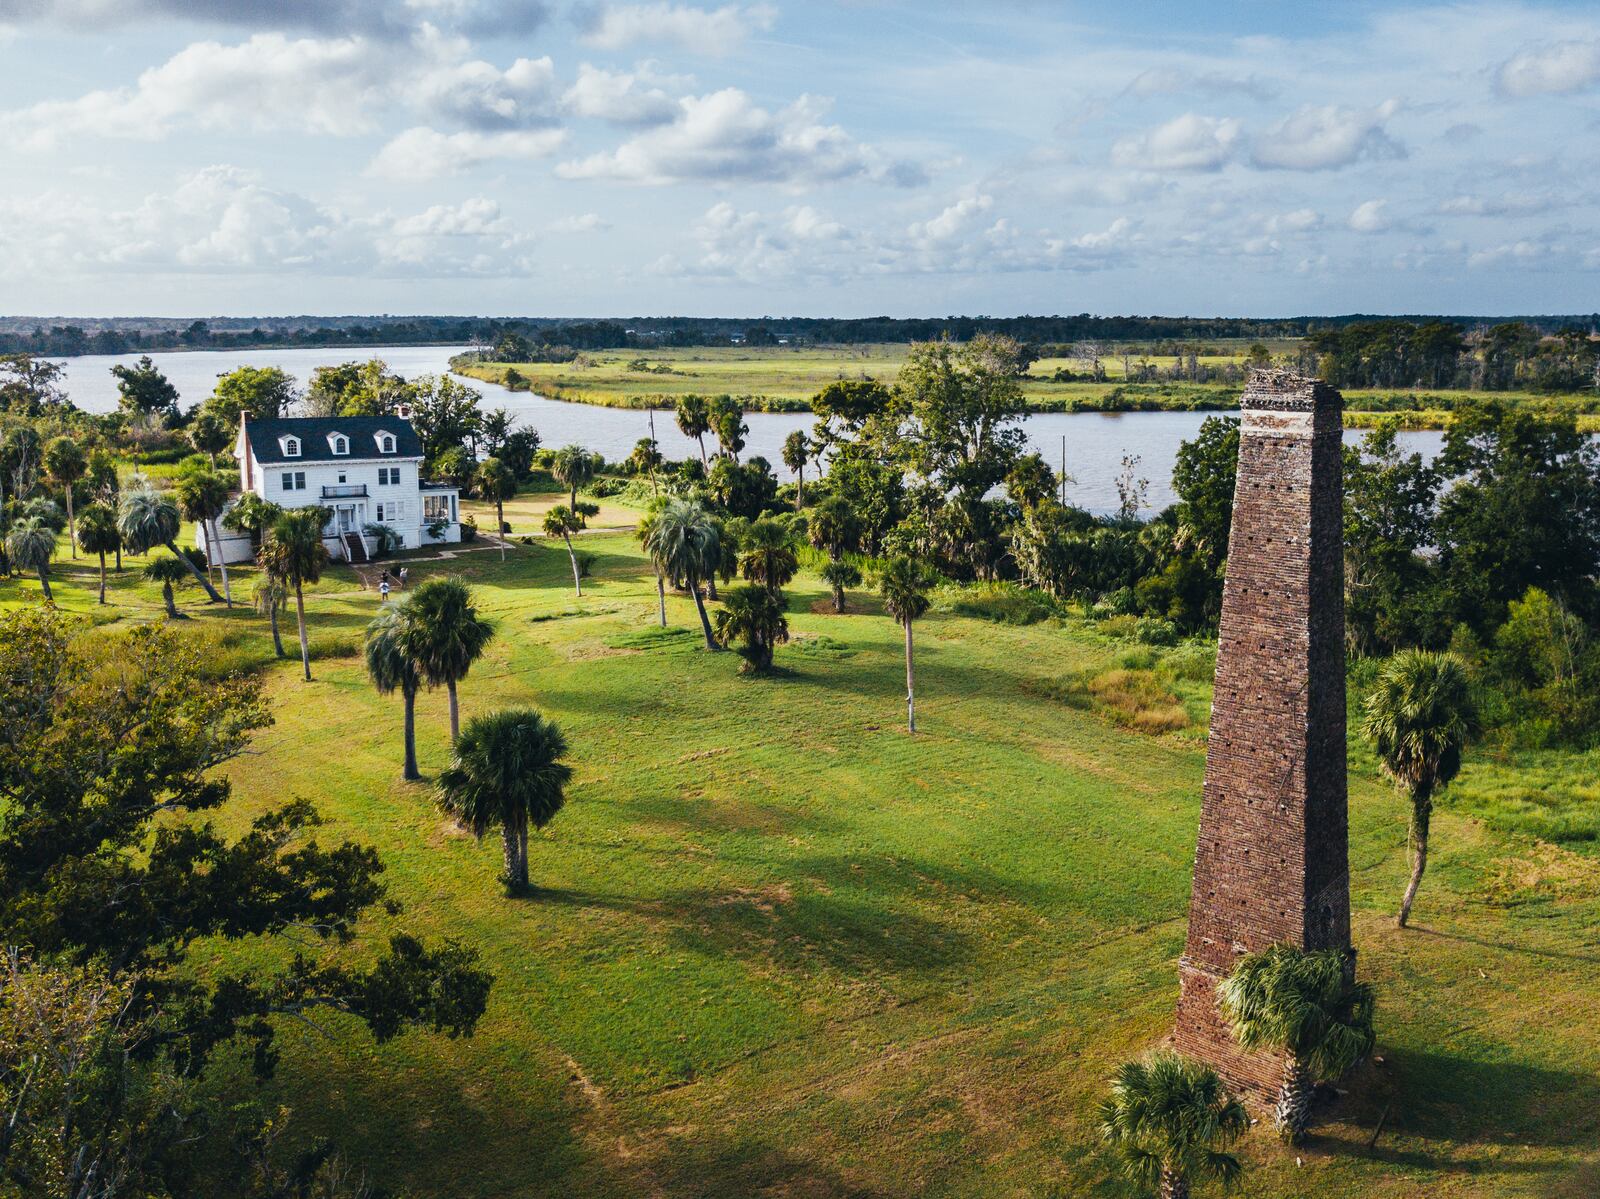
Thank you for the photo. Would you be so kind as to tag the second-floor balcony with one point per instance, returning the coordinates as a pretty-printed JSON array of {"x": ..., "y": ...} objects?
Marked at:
[{"x": 343, "y": 491}]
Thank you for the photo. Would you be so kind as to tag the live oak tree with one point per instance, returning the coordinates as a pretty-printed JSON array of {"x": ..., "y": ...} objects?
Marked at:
[{"x": 109, "y": 856}]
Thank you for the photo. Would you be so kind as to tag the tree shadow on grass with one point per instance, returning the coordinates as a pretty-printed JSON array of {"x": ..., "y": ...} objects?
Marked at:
[
  {"x": 729, "y": 1166},
  {"x": 1506, "y": 946}
]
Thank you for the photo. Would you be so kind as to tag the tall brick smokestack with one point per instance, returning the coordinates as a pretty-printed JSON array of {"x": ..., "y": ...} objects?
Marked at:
[{"x": 1272, "y": 862}]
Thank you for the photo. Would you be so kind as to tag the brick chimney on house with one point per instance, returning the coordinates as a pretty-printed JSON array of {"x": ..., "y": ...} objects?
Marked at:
[{"x": 1272, "y": 862}]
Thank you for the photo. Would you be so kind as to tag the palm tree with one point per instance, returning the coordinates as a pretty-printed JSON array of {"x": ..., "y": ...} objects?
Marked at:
[
  {"x": 98, "y": 535},
  {"x": 293, "y": 553},
  {"x": 1306, "y": 1005},
  {"x": 838, "y": 576},
  {"x": 563, "y": 522},
  {"x": 1420, "y": 716},
  {"x": 253, "y": 515},
  {"x": 270, "y": 598},
  {"x": 392, "y": 669},
  {"x": 202, "y": 495},
  {"x": 101, "y": 477},
  {"x": 507, "y": 772},
  {"x": 497, "y": 482},
  {"x": 683, "y": 543},
  {"x": 146, "y": 519},
  {"x": 796, "y": 449},
  {"x": 646, "y": 457},
  {"x": 1169, "y": 1121},
  {"x": 644, "y": 533},
  {"x": 693, "y": 414},
  {"x": 768, "y": 556},
  {"x": 30, "y": 545},
  {"x": 572, "y": 466},
  {"x": 754, "y": 617},
  {"x": 904, "y": 585},
  {"x": 834, "y": 527},
  {"x": 444, "y": 635},
  {"x": 65, "y": 463},
  {"x": 169, "y": 572}
]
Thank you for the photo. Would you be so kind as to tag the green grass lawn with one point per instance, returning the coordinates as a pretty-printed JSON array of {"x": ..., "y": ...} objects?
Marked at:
[
  {"x": 785, "y": 379},
  {"x": 782, "y": 948}
]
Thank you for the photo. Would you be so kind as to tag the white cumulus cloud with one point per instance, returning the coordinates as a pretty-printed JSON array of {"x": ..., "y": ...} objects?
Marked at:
[
  {"x": 1371, "y": 216},
  {"x": 624, "y": 98},
  {"x": 712, "y": 31},
  {"x": 1325, "y": 137},
  {"x": 1557, "y": 69},
  {"x": 1190, "y": 142},
  {"x": 425, "y": 153}
]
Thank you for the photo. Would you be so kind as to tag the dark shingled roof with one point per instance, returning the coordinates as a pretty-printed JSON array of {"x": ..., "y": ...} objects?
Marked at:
[{"x": 313, "y": 434}]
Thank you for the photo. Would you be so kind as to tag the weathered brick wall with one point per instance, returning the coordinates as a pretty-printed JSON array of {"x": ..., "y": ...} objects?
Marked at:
[{"x": 1271, "y": 863}]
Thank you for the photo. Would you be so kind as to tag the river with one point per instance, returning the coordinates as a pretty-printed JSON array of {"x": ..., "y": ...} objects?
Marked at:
[{"x": 1095, "y": 442}]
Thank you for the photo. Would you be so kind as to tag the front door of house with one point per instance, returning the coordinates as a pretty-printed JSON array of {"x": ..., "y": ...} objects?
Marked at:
[{"x": 347, "y": 514}]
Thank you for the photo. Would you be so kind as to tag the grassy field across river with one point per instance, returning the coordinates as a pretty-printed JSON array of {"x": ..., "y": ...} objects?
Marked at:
[
  {"x": 783, "y": 379},
  {"x": 780, "y": 947}
]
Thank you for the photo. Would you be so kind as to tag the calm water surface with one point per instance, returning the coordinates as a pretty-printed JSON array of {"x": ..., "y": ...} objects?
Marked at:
[{"x": 1095, "y": 442}]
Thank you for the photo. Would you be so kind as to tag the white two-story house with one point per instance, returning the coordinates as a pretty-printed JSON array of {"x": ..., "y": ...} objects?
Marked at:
[{"x": 366, "y": 470}]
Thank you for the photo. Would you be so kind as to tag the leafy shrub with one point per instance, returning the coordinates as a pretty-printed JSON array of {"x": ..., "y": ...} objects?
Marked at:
[
  {"x": 1002, "y": 603},
  {"x": 1152, "y": 630},
  {"x": 469, "y": 529},
  {"x": 1131, "y": 697},
  {"x": 585, "y": 563},
  {"x": 1192, "y": 663},
  {"x": 605, "y": 488}
]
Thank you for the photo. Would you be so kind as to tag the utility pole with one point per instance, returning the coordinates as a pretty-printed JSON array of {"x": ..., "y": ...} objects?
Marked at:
[{"x": 1063, "y": 470}]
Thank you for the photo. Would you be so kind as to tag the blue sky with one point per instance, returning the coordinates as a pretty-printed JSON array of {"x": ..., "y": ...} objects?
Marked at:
[{"x": 774, "y": 157}]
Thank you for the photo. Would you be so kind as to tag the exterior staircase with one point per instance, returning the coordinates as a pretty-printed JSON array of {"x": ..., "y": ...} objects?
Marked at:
[{"x": 355, "y": 549}]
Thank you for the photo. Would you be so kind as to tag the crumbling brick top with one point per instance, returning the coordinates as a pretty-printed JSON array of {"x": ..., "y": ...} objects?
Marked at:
[{"x": 1284, "y": 391}]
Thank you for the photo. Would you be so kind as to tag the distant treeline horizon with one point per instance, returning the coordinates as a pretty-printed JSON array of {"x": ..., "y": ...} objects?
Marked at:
[{"x": 68, "y": 336}]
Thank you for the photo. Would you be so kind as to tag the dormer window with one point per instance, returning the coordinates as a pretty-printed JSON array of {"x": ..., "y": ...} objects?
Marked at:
[
  {"x": 290, "y": 446},
  {"x": 338, "y": 443},
  {"x": 385, "y": 443}
]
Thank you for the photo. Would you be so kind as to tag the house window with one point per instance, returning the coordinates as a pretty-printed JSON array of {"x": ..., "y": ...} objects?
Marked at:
[
  {"x": 291, "y": 447},
  {"x": 380, "y": 514},
  {"x": 388, "y": 476},
  {"x": 294, "y": 480},
  {"x": 385, "y": 443},
  {"x": 436, "y": 507},
  {"x": 339, "y": 443},
  {"x": 341, "y": 476}
]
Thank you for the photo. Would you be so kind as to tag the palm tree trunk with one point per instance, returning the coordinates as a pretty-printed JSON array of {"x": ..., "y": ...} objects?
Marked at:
[
  {"x": 704, "y": 461},
  {"x": 577, "y": 582},
  {"x": 500, "y": 526},
  {"x": 572, "y": 499},
  {"x": 1293, "y": 1111},
  {"x": 214, "y": 537},
  {"x": 72, "y": 524},
  {"x": 911, "y": 685},
  {"x": 838, "y": 599},
  {"x": 412, "y": 773},
  {"x": 300, "y": 614},
  {"x": 195, "y": 571},
  {"x": 800, "y": 488},
  {"x": 1173, "y": 1184},
  {"x": 508, "y": 846},
  {"x": 523, "y": 881},
  {"x": 102, "y": 576},
  {"x": 455, "y": 712},
  {"x": 119, "y": 557},
  {"x": 661, "y": 596},
  {"x": 277, "y": 637},
  {"x": 1421, "y": 813},
  {"x": 700, "y": 606},
  {"x": 44, "y": 581},
  {"x": 166, "y": 598}
]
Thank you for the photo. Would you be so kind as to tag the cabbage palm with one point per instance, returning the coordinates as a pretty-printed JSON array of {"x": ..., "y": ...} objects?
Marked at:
[
  {"x": 146, "y": 518},
  {"x": 270, "y": 597},
  {"x": 30, "y": 545},
  {"x": 1168, "y": 1121},
  {"x": 683, "y": 542},
  {"x": 169, "y": 572},
  {"x": 98, "y": 535},
  {"x": 796, "y": 449},
  {"x": 833, "y": 527},
  {"x": 507, "y": 773},
  {"x": 572, "y": 466},
  {"x": 563, "y": 522},
  {"x": 754, "y": 617},
  {"x": 294, "y": 554},
  {"x": 838, "y": 575},
  {"x": 904, "y": 585},
  {"x": 768, "y": 553},
  {"x": 644, "y": 534},
  {"x": 202, "y": 495},
  {"x": 1420, "y": 716},
  {"x": 253, "y": 515},
  {"x": 444, "y": 635},
  {"x": 497, "y": 482},
  {"x": 393, "y": 669},
  {"x": 65, "y": 462},
  {"x": 1306, "y": 1005}
]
